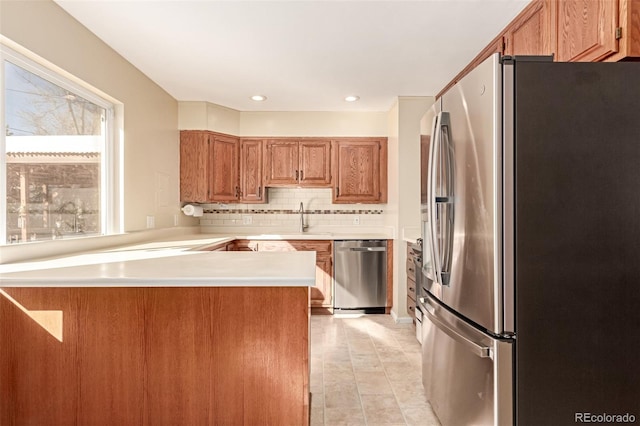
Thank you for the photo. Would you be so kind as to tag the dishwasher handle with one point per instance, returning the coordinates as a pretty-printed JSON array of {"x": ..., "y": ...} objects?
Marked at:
[{"x": 362, "y": 249}]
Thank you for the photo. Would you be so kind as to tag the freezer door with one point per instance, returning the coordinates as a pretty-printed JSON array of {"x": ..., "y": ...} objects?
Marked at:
[
  {"x": 471, "y": 215},
  {"x": 467, "y": 375}
]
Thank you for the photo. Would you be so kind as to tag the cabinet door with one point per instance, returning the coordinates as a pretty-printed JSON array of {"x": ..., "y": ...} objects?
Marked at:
[
  {"x": 360, "y": 171},
  {"x": 531, "y": 32},
  {"x": 586, "y": 30},
  {"x": 315, "y": 163},
  {"x": 251, "y": 188},
  {"x": 194, "y": 166},
  {"x": 281, "y": 163},
  {"x": 322, "y": 294},
  {"x": 224, "y": 185}
]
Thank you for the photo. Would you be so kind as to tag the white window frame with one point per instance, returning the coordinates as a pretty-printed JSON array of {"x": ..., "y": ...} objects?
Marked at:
[{"x": 111, "y": 160}]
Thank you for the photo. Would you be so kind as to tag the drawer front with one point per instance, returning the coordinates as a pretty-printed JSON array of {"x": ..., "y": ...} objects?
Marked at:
[
  {"x": 413, "y": 251},
  {"x": 411, "y": 289},
  {"x": 411, "y": 307},
  {"x": 411, "y": 269}
]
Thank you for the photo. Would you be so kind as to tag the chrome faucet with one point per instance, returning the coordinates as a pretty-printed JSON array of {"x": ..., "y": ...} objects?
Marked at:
[{"x": 303, "y": 227}]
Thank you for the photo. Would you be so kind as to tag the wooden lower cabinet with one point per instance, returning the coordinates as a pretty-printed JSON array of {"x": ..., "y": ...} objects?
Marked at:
[
  {"x": 154, "y": 356},
  {"x": 322, "y": 293}
]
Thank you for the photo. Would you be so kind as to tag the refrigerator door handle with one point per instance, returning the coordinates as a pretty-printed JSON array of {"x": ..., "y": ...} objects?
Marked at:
[
  {"x": 431, "y": 197},
  {"x": 441, "y": 175},
  {"x": 448, "y": 186},
  {"x": 478, "y": 350}
]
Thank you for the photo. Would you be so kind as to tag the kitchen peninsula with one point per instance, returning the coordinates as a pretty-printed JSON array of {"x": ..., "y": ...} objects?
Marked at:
[{"x": 156, "y": 334}]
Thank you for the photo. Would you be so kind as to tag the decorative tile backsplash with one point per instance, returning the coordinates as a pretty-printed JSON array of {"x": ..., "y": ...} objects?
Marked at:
[{"x": 283, "y": 211}]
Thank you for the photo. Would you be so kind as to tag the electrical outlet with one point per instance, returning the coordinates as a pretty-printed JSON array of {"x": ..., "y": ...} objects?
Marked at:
[
  {"x": 356, "y": 220},
  {"x": 247, "y": 220},
  {"x": 151, "y": 221}
]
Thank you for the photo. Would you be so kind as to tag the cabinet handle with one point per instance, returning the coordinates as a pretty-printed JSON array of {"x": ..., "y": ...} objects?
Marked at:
[
  {"x": 237, "y": 192},
  {"x": 296, "y": 175},
  {"x": 337, "y": 192},
  {"x": 301, "y": 174},
  {"x": 259, "y": 192}
]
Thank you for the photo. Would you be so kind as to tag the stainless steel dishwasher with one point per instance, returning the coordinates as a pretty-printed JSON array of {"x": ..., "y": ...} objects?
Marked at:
[{"x": 360, "y": 275}]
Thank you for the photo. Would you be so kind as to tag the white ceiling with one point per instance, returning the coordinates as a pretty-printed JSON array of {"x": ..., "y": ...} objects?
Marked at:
[{"x": 303, "y": 55}]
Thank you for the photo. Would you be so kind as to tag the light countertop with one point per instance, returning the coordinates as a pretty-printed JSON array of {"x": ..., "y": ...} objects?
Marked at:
[
  {"x": 165, "y": 264},
  {"x": 178, "y": 260}
]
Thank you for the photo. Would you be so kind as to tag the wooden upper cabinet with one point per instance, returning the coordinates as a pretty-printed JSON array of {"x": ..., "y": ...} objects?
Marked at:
[
  {"x": 360, "y": 171},
  {"x": 194, "y": 166},
  {"x": 297, "y": 163},
  {"x": 587, "y": 29},
  {"x": 251, "y": 171},
  {"x": 315, "y": 163},
  {"x": 281, "y": 163},
  {"x": 532, "y": 32},
  {"x": 208, "y": 167},
  {"x": 629, "y": 24},
  {"x": 223, "y": 162}
]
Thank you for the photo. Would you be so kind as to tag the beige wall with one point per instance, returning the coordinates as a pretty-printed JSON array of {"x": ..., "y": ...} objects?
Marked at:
[
  {"x": 150, "y": 115},
  {"x": 208, "y": 116},
  {"x": 404, "y": 187},
  {"x": 198, "y": 115}
]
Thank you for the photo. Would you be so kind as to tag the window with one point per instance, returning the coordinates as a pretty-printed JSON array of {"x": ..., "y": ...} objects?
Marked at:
[{"x": 55, "y": 149}]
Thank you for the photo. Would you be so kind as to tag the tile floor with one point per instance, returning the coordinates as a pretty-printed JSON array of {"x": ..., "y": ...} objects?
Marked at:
[{"x": 366, "y": 371}]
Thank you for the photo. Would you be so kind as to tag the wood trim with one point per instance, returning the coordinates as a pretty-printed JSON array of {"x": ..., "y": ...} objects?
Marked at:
[
  {"x": 495, "y": 46},
  {"x": 389, "y": 276}
]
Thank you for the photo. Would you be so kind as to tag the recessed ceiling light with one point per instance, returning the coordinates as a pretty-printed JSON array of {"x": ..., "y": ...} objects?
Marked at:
[
  {"x": 352, "y": 98},
  {"x": 259, "y": 98}
]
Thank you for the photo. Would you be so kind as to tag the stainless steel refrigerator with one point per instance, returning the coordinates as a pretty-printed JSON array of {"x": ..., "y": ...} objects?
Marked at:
[{"x": 531, "y": 256}]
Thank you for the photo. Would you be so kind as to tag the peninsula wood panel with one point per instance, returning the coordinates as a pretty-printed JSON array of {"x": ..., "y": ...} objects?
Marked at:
[
  {"x": 228, "y": 355},
  {"x": 194, "y": 166},
  {"x": 586, "y": 29},
  {"x": 157, "y": 356},
  {"x": 38, "y": 373},
  {"x": 273, "y": 343},
  {"x": 177, "y": 356},
  {"x": 110, "y": 319}
]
